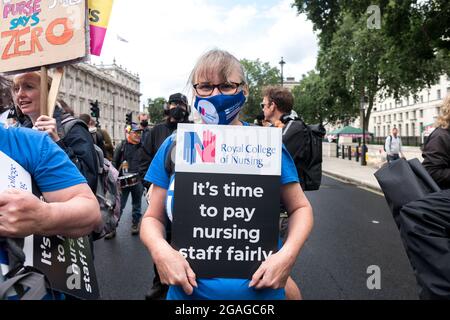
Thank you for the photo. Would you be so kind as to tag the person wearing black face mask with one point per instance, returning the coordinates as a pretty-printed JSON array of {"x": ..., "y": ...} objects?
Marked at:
[
  {"x": 176, "y": 111},
  {"x": 143, "y": 124}
]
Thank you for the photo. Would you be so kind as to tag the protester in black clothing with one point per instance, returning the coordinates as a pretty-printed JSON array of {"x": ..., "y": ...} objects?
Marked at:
[
  {"x": 77, "y": 143},
  {"x": 436, "y": 151},
  {"x": 176, "y": 111},
  {"x": 126, "y": 161},
  {"x": 143, "y": 119}
]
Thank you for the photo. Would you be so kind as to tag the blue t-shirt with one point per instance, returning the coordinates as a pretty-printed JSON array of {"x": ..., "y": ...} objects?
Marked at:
[
  {"x": 216, "y": 288},
  {"x": 46, "y": 162}
]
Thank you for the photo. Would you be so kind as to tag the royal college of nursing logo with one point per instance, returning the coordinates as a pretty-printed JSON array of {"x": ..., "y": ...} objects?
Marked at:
[{"x": 194, "y": 147}]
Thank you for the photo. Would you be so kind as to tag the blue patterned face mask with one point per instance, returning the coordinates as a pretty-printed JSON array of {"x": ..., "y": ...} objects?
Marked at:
[{"x": 220, "y": 109}]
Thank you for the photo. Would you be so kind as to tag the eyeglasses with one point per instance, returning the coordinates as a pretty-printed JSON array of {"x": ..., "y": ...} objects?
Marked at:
[{"x": 226, "y": 88}]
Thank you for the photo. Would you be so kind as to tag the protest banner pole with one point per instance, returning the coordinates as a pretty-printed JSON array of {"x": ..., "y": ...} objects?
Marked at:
[
  {"x": 54, "y": 89},
  {"x": 44, "y": 90}
]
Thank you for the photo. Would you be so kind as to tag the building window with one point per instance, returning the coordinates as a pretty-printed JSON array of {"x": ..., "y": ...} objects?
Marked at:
[
  {"x": 407, "y": 115},
  {"x": 421, "y": 99},
  {"x": 400, "y": 129},
  {"x": 421, "y": 113},
  {"x": 395, "y": 117},
  {"x": 439, "y": 94},
  {"x": 407, "y": 130}
]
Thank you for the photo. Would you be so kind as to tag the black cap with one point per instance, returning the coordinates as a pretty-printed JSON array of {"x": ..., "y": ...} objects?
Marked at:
[{"x": 178, "y": 98}]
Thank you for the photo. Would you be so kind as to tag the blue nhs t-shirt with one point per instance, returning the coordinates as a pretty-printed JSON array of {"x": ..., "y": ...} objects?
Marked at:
[
  {"x": 46, "y": 162},
  {"x": 216, "y": 288}
]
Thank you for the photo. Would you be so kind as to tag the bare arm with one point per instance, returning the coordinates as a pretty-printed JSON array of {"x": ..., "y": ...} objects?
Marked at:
[
  {"x": 273, "y": 272},
  {"x": 71, "y": 212},
  {"x": 172, "y": 266}
]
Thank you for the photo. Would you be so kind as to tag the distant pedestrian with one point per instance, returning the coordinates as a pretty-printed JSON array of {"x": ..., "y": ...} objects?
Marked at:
[{"x": 393, "y": 146}]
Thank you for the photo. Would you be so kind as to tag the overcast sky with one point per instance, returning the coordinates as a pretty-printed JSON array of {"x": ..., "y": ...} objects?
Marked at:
[{"x": 165, "y": 38}]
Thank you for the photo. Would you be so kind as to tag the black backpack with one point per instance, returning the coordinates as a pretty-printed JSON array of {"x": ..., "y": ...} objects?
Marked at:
[
  {"x": 108, "y": 192},
  {"x": 304, "y": 143}
]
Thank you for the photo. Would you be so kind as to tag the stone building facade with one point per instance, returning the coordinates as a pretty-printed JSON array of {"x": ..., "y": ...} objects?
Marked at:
[{"x": 116, "y": 89}]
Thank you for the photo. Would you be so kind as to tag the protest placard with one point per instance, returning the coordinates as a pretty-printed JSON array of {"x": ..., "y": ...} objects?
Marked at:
[
  {"x": 227, "y": 198},
  {"x": 99, "y": 14},
  {"x": 37, "y": 33},
  {"x": 67, "y": 263}
]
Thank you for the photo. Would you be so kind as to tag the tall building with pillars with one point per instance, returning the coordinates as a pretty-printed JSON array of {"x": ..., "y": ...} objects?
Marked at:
[{"x": 116, "y": 89}]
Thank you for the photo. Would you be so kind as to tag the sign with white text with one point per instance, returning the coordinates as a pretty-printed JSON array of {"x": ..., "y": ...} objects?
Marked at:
[
  {"x": 36, "y": 33},
  {"x": 227, "y": 198},
  {"x": 67, "y": 263}
]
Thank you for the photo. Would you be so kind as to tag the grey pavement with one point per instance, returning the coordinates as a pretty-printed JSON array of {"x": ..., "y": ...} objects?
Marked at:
[{"x": 351, "y": 171}]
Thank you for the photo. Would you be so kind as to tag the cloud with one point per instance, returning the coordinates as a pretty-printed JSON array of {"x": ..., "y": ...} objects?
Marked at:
[{"x": 167, "y": 37}]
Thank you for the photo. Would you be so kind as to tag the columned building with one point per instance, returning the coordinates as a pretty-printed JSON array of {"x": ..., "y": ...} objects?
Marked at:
[
  {"x": 412, "y": 116},
  {"x": 116, "y": 89}
]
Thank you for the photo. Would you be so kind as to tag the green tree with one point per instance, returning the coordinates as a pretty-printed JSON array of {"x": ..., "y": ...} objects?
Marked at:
[
  {"x": 156, "y": 109},
  {"x": 417, "y": 33},
  {"x": 356, "y": 61},
  {"x": 259, "y": 74},
  {"x": 314, "y": 102}
]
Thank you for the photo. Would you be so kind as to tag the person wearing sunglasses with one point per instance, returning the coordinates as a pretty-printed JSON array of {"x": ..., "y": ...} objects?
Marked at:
[{"x": 220, "y": 91}]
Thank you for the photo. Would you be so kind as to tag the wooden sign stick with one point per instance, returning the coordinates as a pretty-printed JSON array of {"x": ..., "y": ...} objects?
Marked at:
[
  {"x": 44, "y": 90},
  {"x": 54, "y": 89}
]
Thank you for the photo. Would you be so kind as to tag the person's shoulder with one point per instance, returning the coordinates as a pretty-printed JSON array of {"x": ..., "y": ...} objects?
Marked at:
[{"x": 21, "y": 133}]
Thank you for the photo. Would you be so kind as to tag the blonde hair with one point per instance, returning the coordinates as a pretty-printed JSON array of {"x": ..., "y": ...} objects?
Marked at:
[
  {"x": 218, "y": 62},
  {"x": 443, "y": 120},
  {"x": 36, "y": 74}
]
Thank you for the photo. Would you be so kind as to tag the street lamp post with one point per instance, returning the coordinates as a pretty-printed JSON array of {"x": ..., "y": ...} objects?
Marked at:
[
  {"x": 282, "y": 63},
  {"x": 363, "y": 105}
]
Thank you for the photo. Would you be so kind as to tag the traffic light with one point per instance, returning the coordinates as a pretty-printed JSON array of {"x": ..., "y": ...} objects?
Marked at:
[
  {"x": 128, "y": 117},
  {"x": 95, "y": 110}
]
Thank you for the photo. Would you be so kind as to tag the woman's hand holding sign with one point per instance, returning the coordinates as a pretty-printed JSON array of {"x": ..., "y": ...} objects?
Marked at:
[
  {"x": 173, "y": 269},
  {"x": 47, "y": 124},
  {"x": 274, "y": 272},
  {"x": 21, "y": 213}
]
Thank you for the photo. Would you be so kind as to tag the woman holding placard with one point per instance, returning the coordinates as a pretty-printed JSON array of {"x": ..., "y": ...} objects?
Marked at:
[
  {"x": 219, "y": 79},
  {"x": 77, "y": 143}
]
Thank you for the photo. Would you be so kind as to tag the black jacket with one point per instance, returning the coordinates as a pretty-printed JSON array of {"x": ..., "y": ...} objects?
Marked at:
[
  {"x": 129, "y": 152},
  {"x": 154, "y": 139},
  {"x": 436, "y": 154},
  {"x": 78, "y": 146}
]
